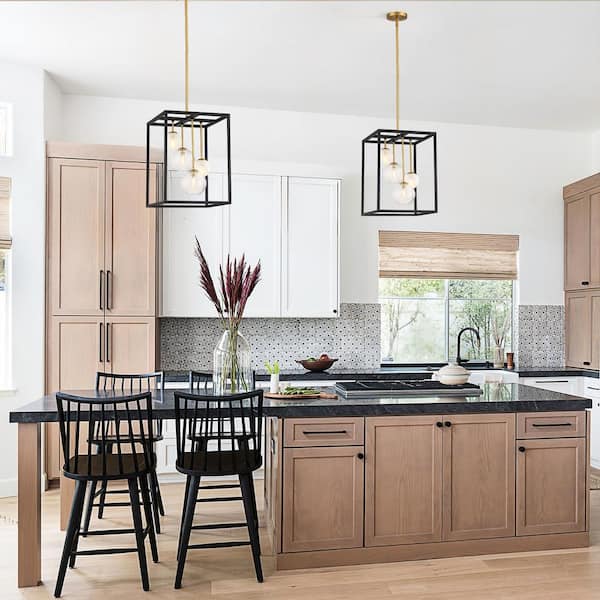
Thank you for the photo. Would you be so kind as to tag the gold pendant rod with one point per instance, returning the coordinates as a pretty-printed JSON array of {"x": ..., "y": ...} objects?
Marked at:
[{"x": 397, "y": 78}]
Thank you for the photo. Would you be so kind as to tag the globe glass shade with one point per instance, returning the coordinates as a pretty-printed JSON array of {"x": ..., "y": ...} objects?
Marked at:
[
  {"x": 387, "y": 156},
  {"x": 194, "y": 183},
  {"x": 403, "y": 194},
  {"x": 393, "y": 173},
  {"x": 173, "y": 139},
  {"x": 182, "y": 159},
  {"x": 412, "y": 179},
  {"x": 202, "y": 166}
]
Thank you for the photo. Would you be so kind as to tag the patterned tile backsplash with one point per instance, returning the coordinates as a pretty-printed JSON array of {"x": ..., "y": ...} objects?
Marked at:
[
  {"x": 540, "y": 336},
  {"x": 354, "y": 338}
]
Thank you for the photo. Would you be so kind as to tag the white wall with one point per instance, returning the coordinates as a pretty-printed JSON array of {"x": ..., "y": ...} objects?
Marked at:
[
  {"x": 24, "y": 88},
  {"x": 491, "y": 179},
  {"x": 596, "y": 152}
]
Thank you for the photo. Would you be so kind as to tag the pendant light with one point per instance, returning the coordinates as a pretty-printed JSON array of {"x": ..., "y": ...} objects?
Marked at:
[
  {"x": 390, "y": 182},
  {"x": 184, "y": 176}
]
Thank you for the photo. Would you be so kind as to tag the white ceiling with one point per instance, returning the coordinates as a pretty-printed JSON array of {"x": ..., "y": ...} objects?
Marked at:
[{"x": 522, "y": 64}]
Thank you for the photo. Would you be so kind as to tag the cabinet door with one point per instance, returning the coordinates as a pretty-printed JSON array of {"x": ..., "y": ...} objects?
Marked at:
[
  {"x": 577, "y": 242},
  {"x": 181, "y": 292},
  {"x": 322, "y": 498},
  {"x": 594, "y": 331},
  {"x": 403, "y": 480},
  {"x": 74, "y": 353},
  {"x": 310, "y": 248},
  {"x": 254, "y": 229},
  {"x": 479, "y": 476},
  {"x": 130, "y": 241},
  {"x": 130, "y": 344},
  {"x": 577, "y": 329},
  {"x": 76, "y": 236},
  {"x": 594, "y": 199},
  {"x": 551, "y": 486}
]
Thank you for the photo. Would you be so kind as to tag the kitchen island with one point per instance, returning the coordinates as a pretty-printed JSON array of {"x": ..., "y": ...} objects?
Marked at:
[{"x": 351, "y": 481}]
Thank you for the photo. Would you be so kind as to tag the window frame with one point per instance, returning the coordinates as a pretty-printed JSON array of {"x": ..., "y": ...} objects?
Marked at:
[
  {"x": 446, "y": 299},
  {"x": 6, "y": 370}
]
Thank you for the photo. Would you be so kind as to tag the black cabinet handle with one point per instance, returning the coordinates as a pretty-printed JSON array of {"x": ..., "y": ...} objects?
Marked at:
[
  {"x": 360, "y": 456},
  {"x": 108, "y": 342},
  {"x": 585, "y": 283},
  {"x": 551, "y": 424},
  {"x": 589, "y": 387},
  {"x": 521, "y": 448},
  {"x": 553, "y": 381},
  {"x": 101, "y": 299},
  {"x": 447, "y": 424},
  {"x": 324, "y": 432},
  {"x": 587, "y": 363},
  {"x": 100, "y": 359},
  {"x": 439, "y": 424},
  {"x": 109, "y": 290}
]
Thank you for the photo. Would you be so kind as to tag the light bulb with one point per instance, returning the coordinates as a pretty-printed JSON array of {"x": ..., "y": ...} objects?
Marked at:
[
  {"x": 202, "y": 166},
  {"x": 387, "y": 156},
  {"x": 173, "y": 139},
  {"x": 393, "y": 173},
  {"x": 412, "y": 179},
  {"x": 182, "y": 158},
  {"x": 194, "y": 182},
  {"x": 403, "y": 193}
]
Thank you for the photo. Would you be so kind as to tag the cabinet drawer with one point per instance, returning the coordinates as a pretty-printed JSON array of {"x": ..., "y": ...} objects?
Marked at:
[
  {"x": 324, "y": 432},
  {"x": 551, "y": 425}
]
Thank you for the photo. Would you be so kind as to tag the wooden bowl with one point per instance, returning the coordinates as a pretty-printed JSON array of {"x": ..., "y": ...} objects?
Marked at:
[{"x": 317, "y": 365}]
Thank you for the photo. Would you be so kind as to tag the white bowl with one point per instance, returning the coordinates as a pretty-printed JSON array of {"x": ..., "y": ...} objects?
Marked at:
[{"x": 452, "y": 374}]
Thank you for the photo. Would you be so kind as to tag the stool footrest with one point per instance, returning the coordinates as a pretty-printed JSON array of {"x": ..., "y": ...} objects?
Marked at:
[
  {"x": 109, "y": 532},
  {"x": 219, "y": 526},
  {"x": 105, "y": 551},
  {"x": 112, "y": 504},
  {"x": 224, "y": 499},
  {"x": 217, "y": 545},
  {"x": 221, "y": 486}
]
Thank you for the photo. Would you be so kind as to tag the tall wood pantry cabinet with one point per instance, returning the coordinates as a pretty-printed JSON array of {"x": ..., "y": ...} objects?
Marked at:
[
  {"x": 582, "y": 272},
  {"x": 101, "y": 270}
]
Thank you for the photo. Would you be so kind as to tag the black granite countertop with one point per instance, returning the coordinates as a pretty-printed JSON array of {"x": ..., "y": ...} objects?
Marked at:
[
  {"x": 495, "y": 398},
  {"x": 391, "y": 373}
]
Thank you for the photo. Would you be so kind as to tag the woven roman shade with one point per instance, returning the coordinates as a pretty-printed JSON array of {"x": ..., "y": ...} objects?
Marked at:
[
  {"x": 5, "y": 239},
  {"x": 427, "y": 255}
]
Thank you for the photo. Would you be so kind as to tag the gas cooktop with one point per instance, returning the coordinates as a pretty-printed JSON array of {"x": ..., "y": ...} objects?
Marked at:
[{"x": 377, "y": 389}]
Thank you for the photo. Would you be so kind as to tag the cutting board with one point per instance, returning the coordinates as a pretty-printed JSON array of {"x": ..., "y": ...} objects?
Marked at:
[{"x": 300, "y": 396}]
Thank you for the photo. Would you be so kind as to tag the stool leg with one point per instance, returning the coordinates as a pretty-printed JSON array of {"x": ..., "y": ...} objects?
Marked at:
[
  {"x": 149, "y": 518},
  {"x": 78, "y": 517},
  {"x": 89, "y": 508},
  {"x": 247, "y": 484},
  {"x": 183, "y": 505},
  {"x": 72, "y": 527},
  {"x": 155, "y": 508},
  {"x": 190, "y": 507},
  {"x": 104, "y": 486},
  {"x": 161, "y": 507},
  {"x": 134, "y": 497}
]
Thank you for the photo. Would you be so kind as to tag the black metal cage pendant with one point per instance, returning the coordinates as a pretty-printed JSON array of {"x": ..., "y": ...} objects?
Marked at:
[
  {"x": 196, "y": 159},
  {"x": 389, "y": 181}
]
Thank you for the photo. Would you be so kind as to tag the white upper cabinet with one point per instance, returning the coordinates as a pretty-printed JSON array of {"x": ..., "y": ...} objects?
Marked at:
[
  {"x": 254, "y": 229},
  {"x": 181, "y": 293},
  {"x": 289, "y": 224},
  {"x": 310, "y": 253}
]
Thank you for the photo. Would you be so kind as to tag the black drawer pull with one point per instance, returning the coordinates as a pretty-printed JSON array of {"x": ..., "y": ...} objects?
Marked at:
[
  {"x": 552, "y": 425},
  {"x": 324, "y": 432},
  {"x": 521, "y": 448},
  {"x": 553, "y": 381},
  {"x": 585, "y": 283},
  {"x": 587, "y": 363},
  {"x": 589, "y": 387},
  {"x": 360, "y": 456}
]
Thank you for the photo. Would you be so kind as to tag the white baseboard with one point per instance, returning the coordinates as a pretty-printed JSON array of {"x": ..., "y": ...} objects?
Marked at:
[{"x": 8, "y": 487}]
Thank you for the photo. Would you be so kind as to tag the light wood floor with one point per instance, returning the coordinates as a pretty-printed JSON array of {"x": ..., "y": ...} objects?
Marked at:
[{"x": 227, "y": 574}]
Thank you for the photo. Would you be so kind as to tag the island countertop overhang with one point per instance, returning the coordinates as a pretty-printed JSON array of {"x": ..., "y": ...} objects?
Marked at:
[{"x": 496, "y": 398}]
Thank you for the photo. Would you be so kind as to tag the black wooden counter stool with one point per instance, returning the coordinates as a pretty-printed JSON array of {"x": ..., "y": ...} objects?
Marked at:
[
  {"x": 131, "y": 459},
  {"x": 125, "y": 384},
  {"x": 218, "y": 436}
]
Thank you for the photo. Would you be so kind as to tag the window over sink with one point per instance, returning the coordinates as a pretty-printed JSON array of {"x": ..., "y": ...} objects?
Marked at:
[{"x": 421, "y": 318}]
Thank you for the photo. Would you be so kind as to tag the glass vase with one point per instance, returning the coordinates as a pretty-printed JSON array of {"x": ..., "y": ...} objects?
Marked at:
[
  {"x": 232, "y": 372},
  {"x": 498, "y": 358}
]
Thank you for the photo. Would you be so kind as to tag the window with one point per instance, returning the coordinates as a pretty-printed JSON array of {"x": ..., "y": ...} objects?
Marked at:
[
  {"x": 421, "y": 318},
  {"x": 5, "y": 245},
  {"x": 5, "y": 129}
]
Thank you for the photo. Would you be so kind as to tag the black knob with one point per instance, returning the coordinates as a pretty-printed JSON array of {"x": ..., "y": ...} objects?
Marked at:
[
  {"x": 447, "y": 424},
  {"x": 360, "y": 455},
  {"x": 439, "y": 424},
  {"x": 521, "y": 448},
  {"x": 335, "y": 311}
]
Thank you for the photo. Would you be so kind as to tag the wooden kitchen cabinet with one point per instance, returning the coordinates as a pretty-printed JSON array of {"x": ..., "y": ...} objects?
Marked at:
[
  {"x": 582, "y": 329},
  {"x": 577, "y": 242},
  {"x": 323, "y": 494},
  {"x": 76, "y": 203},
  {"x": 130, "y": 255},
  {"x": 551, "y": 486},
  {"x": 479, "y": 474},
  {"x": 403, "y": 480},
  {"x": 130, "y": 344}
]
